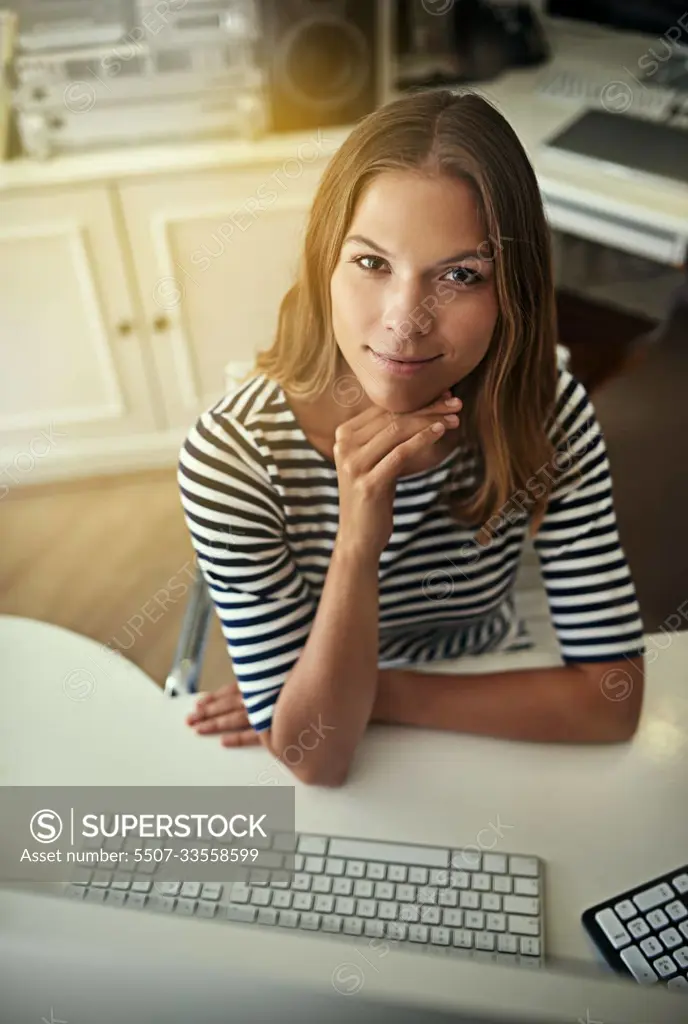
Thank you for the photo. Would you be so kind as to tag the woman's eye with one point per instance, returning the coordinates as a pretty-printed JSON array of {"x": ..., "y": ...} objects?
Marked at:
[
  {"x": 371, "y": 259},
  {"x": 466, "y": 275}
]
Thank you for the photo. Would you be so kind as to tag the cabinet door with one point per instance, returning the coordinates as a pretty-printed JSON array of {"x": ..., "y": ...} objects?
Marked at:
[
  {"x": 214, "y": 254},
  {"x": 74, "y": 366}
]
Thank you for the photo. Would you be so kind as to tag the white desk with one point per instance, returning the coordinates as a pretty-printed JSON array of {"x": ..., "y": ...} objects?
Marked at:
[{"x": 603, "y": 818}]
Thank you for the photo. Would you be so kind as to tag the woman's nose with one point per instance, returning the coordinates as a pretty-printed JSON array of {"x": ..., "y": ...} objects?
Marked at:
[{"x": 406, "y": 314}]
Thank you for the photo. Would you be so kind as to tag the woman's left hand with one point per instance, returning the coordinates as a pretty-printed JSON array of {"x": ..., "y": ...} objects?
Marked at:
[{"x": 223, "y": 714}]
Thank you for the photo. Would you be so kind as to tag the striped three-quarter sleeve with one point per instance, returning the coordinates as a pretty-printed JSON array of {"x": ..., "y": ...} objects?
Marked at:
[
  {"x": 589, "y": 586},
  {"x": 236, "y": 525}
]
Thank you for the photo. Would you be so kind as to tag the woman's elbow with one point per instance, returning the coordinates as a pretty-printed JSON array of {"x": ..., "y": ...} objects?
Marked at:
[{"x": 327, "y": 775}]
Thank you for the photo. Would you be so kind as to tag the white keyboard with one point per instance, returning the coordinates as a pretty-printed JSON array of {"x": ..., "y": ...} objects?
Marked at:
[
  {"x": 612, "y": 92},
  {"x": 434, "y": 899}
]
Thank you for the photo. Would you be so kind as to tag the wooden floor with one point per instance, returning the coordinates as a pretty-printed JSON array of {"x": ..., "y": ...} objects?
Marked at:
[{"x": 110, "y": 558}]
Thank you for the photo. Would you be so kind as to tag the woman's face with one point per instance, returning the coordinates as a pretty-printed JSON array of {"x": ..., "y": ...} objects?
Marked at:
[{"x": 414, "y": 281}]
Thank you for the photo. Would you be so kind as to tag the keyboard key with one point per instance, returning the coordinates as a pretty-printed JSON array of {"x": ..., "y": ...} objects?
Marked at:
[
  {"x": 260, "y": 877},
  {"x": 475, "y": 919},
  {"x": 101, "y": 879},
  {"x": 115, "y": 897},
  {"x": 678, "y": 983},
  {"x": 466, "y": 860},
  {"x": 345, "y": 905},
  {"x": 301, "y": 882},
  {"x": 191, "y": 890},
  {"x": 495, "y": 863},
  {"x": 463, "y": 938},
  {"x": 141, "y": 885},
  {"x": 469, "y": 900},
  {"x": 266, "y": 915},
  {"x": 396, "y": 930},
  {"x": 363, "y": 889},
  {"x": 665, "y": 966},
  {"x": 136, "y": 900},
  {"x": 280, "y": 879},
  {"x": 384, "y": 891},
  {"x": 334, "y": 866},
  {"x": 303, "y": 901},
  {"x": 239, "y": 893},
  {"x": 485, "y": 940},
  {"x": 324, "y": 904},
  {"x": 311, "y": 922},
  {"x": 460, "y": 880},
  {"x": 315, "y": 865},
  {"x": 281, "y": 898},
  {"x": 376, "y": 872},
  {"x": 211, "y": 891},
  {"x": 186, "y": 907},
  {"x": 680, "y": 884},
  {"x": 676, "y": 910},
  {"x": 650, "y": 898},
  {"x": 418, "y": 933},
  {"x": 247, "y": 915},
  {"x": 670, "y": 938},
  {"x": 527, "y": 905},
  {"x": 322, "y": 883},
  {"x": 75, "y": 892},
  {"x": 261, "y": 897},
  {"x": 612, "y": 928},
  {"x": 439, "y": 877},
  {"x": 312, "y": 844},
  {"x": 651, "y": 947},
  {"x": 491, "y": 901},
  {"x": 527, "y": 866},
  {"x": 681, "y": 957},
  {"x": 342, "y": 887},
  {"x": 427, "y": 895},
  {"x": 207, "y": 909},
  {"x": 529, "y": 947},
  {"x": 683, "y": 928},
  {"x": 657, "y": 919},
  {"x": 440, "y": 936},
  {"x": 366, "y": 908},
  {"x": 524, "y": 925},
  {"x": 418, "y": 876},
  {"x": 496, "y": 923},
  {"x": 331, "y": 923},
  {"x": 625, "y": 910},
  {"x": 356, "y": 869},
  {"x": 421, "y": 856},
  {"x": 638, "y": 965},
  {"x": 522, "y": 886},
  {"x": 396, "y": 873},
  {"x": 285, "y": 841},
  {"x": 507, "y": 943},
  {"x": 430, "y": 915},
  {"x": 387, "y": 910},
  {"x": 448, "y": 898},
  {"x": 452, "y": 918},
  {"x": 638, "y": 928},
  {"x": 353, "y": 926},
  {"x": 481, "y": 883},
  {"x": 504, "y": 884},
  {"x": 406, "y": 893},
  {"x": 162, "y": 903},
  {"x": 410, "y": 913},
  {"x": 288, "y": 919},
  {"x": 374, "y": 929}
]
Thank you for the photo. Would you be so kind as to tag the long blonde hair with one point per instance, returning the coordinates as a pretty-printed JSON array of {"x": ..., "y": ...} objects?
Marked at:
[{"x": 509, "y": 398}]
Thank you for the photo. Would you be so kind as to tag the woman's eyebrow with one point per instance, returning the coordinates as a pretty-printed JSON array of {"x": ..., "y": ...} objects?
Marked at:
[{"x": 474, "y": 253}]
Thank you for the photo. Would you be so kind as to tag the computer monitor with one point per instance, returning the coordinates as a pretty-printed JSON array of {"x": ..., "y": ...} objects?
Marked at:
[{"x": 67, "y": 961}]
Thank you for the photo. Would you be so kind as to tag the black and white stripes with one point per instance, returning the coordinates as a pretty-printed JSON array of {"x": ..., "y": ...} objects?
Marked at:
[{"x": 261, "y": 505}]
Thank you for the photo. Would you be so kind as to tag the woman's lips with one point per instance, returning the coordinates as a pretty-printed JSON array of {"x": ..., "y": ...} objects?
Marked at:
[{"x": 400, "y": 369}]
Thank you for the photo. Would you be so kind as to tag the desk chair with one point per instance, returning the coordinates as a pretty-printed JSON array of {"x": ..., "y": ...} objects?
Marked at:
[{"x": 185, "y": 672}]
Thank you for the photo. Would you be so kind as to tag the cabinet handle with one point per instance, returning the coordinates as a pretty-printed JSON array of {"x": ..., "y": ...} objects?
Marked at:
[
  {"x": 161, "y": 323},
  {"x": 125, "y": 327}
]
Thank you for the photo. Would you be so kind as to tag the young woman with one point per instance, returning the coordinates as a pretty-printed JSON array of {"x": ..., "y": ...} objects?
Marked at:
[{"x": 359, "y": 505}]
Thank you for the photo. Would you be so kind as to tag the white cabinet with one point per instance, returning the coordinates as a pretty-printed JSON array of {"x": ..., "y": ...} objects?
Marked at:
[
  {"x": 73, "y": 361},
  {"x": 123, "y": 300},
  {"x": 213, "y": 254}
]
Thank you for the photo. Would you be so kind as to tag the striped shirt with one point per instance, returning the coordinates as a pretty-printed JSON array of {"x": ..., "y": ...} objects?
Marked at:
[{"x": 261, "y": 505}]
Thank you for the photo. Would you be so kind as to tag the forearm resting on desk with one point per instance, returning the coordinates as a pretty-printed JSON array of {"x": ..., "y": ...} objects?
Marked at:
[{"x": 568, "y": 704}]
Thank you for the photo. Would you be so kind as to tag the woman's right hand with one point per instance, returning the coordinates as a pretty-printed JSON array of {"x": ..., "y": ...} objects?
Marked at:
[{"x": 371, "y": 450}]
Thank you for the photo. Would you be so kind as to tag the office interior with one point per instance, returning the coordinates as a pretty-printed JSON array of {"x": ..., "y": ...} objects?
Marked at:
[{"x": 135, "y": 138}]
